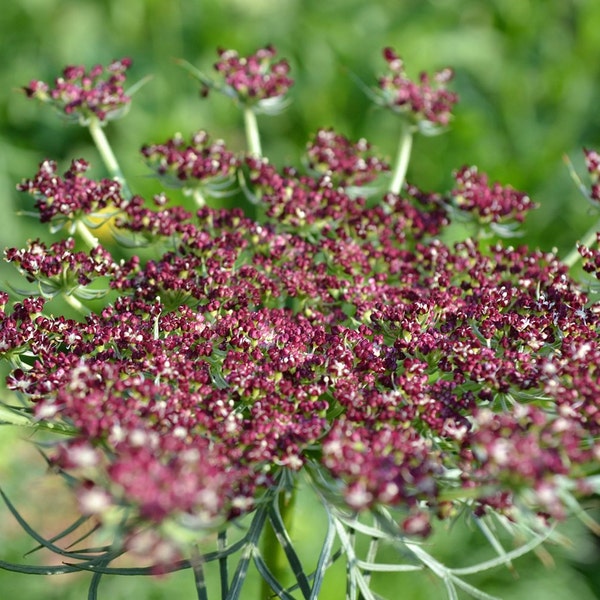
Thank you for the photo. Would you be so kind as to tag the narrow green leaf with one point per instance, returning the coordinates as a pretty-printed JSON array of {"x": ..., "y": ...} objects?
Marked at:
[
  {"x": 198, "y": 570},
  {"x": 34, "y": 570},
  {"x": 472, "y": 590},
  {"x": 266, "y": 574},
  {"x": 371, "y": 556},
  {"x": 355, "y": 578},
  {"x": 492, "y": 539},
  {"x": 387, "y": 568},
  {"x": 240, "y": 574},
  {"x": 353, "y": 523},
  {"x": 490, "y": 564},
  {"x": 130, "y": 571},
  {"x": 225, "y": 552},
  {"x": 21, "y": 291},
  {"x": 452, "y": 594},
  {"x": 84, "y": 293},
  {"x": 223, "y": 566},
  {"x": 368, "y": 91},
  {"x": 138, "y": 85},
  {"x": 288, "y": 547},
  {"x": 94, "y": 584},
  {"x": 195, "y": 73},
  {"x": 575, "y": 177},
  {"x": 74, "y": 526},
  {"x": 36, "y": 536},
  {"x": 252, "y": 537},
  {"x": 10, "y": 416},
  {"x": 324, "y": 557}
]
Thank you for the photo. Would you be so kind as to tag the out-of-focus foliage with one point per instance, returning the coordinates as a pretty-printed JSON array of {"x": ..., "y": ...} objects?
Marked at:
[{"x": 527, "y": 72}]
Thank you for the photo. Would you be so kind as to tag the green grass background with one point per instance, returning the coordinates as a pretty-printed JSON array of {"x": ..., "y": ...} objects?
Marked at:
[{"x": 527, "y": 72}]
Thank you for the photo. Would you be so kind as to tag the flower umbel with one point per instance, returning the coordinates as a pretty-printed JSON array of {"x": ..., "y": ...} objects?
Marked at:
[
  {"x": 314, "y": 336},
  {"x": 255, "y": 79},
  {"x": 348, "y": 164},
  {"x": 83, "y": 95},
  {"x": 426, "y": 103},
  {"x": 73, "y": 198},
  {"x": 489, "y": 203},
  {"x": 200, "y": 166}
]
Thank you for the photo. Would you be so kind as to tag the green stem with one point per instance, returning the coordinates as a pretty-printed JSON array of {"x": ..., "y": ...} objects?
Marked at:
[
  {"x": 12, "y": 417},
  {"x": 402, "y": 159},
  {"x": 108, "y": 157},
  {"x": 588, "y": 239},
  {"x": 223, "y": 569},
  {"x": 272, "y": 551},
  {"x": 74, "y": 303},
  {"x": 198, "y": 570},
  {"x": 86, "y": 235},
  {"x": 252, "y": 135}
]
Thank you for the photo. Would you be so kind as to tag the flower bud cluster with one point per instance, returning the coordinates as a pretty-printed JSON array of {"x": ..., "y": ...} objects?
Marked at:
[
  {"x": 199, "y": 162},
  {"x": 73, "y": 197},
  {"x": 488, "y": 203},
  {"x": 591, "y": 258},
  {"x": 254, "y": 78},
  {"x": 426, "y": 100},
  {"x": 84, "y": 95},
  {"x": 59, "y": 268},
  {"x": 348, "y": 164},
  {"x": 592, "y": 161}
]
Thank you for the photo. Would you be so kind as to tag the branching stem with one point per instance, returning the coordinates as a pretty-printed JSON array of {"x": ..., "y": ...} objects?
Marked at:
[
  {"x": 86, "y": 235},
  {"x": 108, "y": 156}
]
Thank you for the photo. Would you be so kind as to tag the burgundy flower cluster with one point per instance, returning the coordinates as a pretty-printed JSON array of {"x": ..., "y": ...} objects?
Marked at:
[
  {"x": 329, "y": 335},
  {"x": 65, "y": 200},
  {"x": 59, "y": 268},
  {"x": 313, "y": 206},
  {"x": 348, "y": 164},
  {"x": 97, "y": 93},
  {"x": 488, "y": 203},
  {"x": 410, "y": 344},
  {"x": 256, "y": 77},
  {"x": 199, "y": 162},
  {"x": 426, "y": 100}
]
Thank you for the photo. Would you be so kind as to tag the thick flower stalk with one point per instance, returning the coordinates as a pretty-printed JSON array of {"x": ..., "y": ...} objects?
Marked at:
[{"x": 329, "y": 340}]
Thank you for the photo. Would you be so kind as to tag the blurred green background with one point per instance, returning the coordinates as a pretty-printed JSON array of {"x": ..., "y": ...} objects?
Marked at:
[{"x": 527, "y": 74}]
